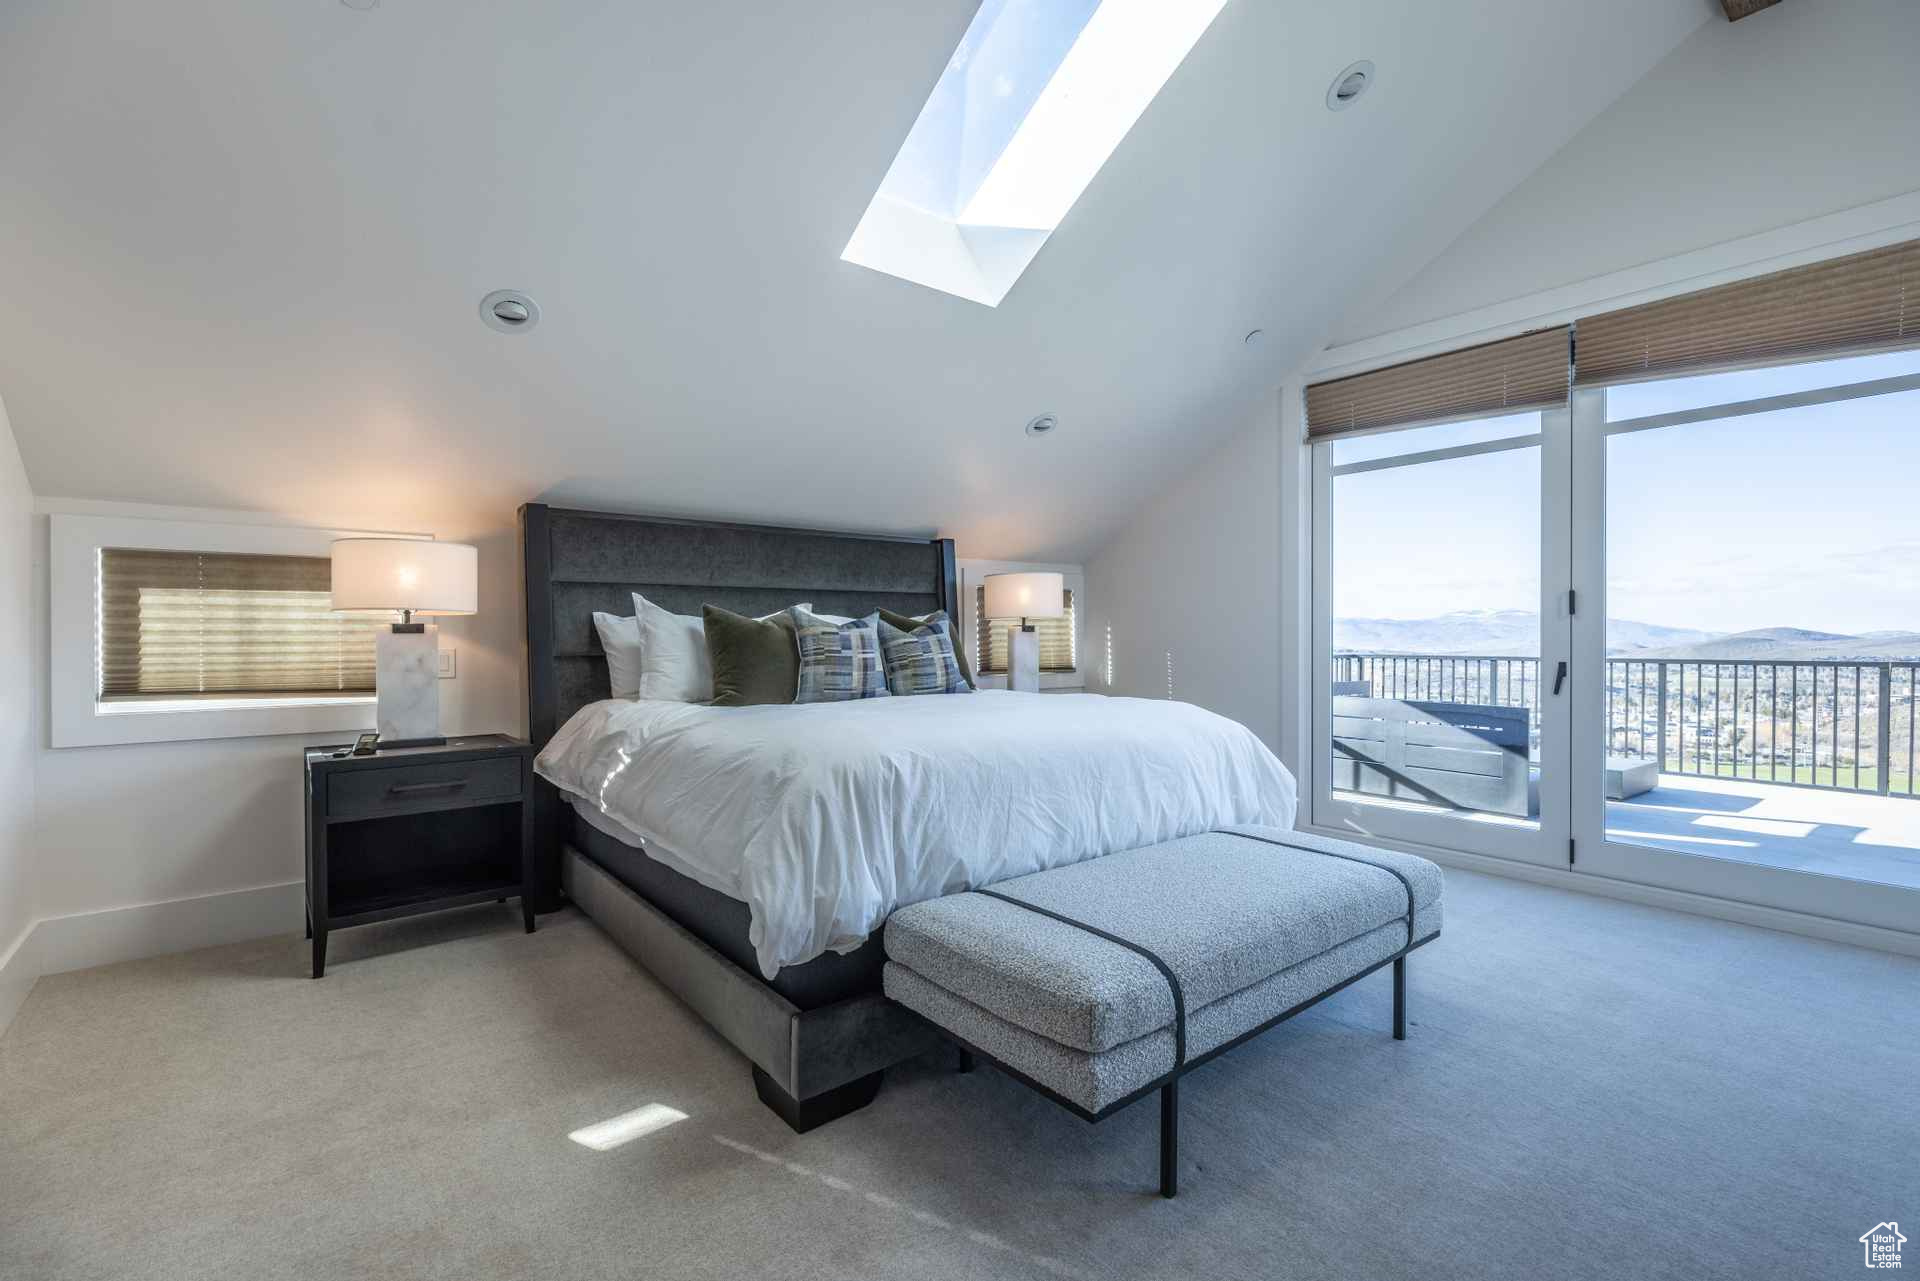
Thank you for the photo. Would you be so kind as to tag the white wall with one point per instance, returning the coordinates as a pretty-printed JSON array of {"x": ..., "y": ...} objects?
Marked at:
[
  {"x": 1801, "y": 110},
  {"x": 1196, "y": 575},
  {"x": 152, "y": 848},
  {"x": 1804, "y": 109},
  {"x": 18, "y": 959}
]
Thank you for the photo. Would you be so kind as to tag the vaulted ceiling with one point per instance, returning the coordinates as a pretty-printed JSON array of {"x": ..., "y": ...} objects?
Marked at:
[{"x": 243, "y": 244}]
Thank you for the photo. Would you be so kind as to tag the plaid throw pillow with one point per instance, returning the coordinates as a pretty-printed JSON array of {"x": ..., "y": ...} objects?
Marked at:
[
  {"x": 838, "y": 661},
  {"x": 921, "y": 661}
]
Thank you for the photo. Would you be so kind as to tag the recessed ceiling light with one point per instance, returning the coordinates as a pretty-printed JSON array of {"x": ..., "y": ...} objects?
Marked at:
[
  {"x": 509, "y": 311},
  {"x": 1254, "y": 336},
  {"x": 360, "y": 4},
  {"x": 1349, "y": 85},
  {"x": 1041, "y": 425}
]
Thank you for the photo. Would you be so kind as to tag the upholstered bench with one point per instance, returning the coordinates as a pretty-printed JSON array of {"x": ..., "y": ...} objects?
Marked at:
[{"x": 1101, "y": 982}]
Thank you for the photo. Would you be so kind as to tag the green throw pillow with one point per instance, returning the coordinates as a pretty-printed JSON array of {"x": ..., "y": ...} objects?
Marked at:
[
  {"x": 754, "y": 662},
  {"x": 907, "y": 622}
]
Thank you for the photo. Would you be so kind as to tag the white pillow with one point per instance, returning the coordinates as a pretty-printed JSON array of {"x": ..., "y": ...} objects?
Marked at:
[
  {"x": 620, "y": 638},
  {"x": 673, "y": 655},
  {"x": 674, "y": 666}
]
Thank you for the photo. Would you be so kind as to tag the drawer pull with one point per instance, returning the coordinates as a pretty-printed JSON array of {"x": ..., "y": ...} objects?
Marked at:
[{"x": 405, "y": 789}]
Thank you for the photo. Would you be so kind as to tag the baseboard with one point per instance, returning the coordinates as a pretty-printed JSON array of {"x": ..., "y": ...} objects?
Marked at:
[
  {"x": 114, "y": 934},
  {"x": 1770, "y": 918},
  {"x": 19, "y": 969}
]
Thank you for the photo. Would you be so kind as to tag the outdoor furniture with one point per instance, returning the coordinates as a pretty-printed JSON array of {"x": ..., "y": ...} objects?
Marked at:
[
  {"x": 1630, "y": 776},
  {"x": 1464, "y": 756}
]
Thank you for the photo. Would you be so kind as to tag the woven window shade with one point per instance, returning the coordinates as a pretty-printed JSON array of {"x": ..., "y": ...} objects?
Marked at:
[
  {"x": 191, "y": 624},
  {"x": 1514, "y": 374},
  {"x": 1847, "y": 306},
  {"x": 1056, "y": 637}
]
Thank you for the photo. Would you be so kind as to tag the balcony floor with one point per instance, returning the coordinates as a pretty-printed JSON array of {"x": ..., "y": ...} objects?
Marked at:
[{"x": 1862, "y": 837}]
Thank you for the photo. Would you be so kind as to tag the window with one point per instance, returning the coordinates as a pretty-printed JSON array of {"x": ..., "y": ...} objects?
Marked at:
[
  {"x": 1057, "y": 644},
  {"x": 1772, "y": 538},
  {"x": 1030, "y": 106},
  {"x": 1434, "y": 608},
  {"x": 1438, "y": 519},
  {"x": 177, "y": 624},
  {"x": 1637, "y": 605},
  {"x": 167, "y": 629}
]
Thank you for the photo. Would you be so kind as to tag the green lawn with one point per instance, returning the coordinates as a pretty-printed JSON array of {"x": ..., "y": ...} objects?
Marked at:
[{"x": 1900, "y": 784}]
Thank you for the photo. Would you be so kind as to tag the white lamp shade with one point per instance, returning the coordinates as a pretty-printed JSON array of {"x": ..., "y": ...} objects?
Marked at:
[
  {"x": 1036, "y": 595},
  {"x": 406, "y": 573}
]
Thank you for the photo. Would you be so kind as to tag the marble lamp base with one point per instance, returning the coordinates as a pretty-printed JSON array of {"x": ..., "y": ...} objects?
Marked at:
[
  {"x": 407, "y": 686},
  {"x": 1023, "y": 660}
]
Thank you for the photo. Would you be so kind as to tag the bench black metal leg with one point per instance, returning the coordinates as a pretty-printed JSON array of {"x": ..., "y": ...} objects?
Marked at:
[
  {"x": 1170, "y": 1139},
  {"x": 966, "y": 1060},
  {"x": 1400, "y": 999}
]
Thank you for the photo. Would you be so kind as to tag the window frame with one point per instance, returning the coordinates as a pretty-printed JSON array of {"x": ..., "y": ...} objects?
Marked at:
[
  {"x": 78, "y": 718},
  {"x": 1858, "y": 903},
  {"x": 1796, "y": 244},
  {"x": 1573, "y": 743},
  {"x": 1541, "y": 841}
]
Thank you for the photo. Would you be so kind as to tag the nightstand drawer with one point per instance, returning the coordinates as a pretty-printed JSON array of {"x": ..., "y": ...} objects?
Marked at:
[{"x": 364, "y": 792}]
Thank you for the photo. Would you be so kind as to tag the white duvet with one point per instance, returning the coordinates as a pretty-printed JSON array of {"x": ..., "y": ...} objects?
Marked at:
[{"x": 825, "y": 817}]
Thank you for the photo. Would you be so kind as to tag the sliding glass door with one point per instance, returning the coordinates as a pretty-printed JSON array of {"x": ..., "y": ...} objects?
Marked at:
[
  {"x": 1441, "y": 640},
  {"x": 1750, "y": 545},
  {"x": 1668, "y": 633},
  {"x": 1639, "y": 597}
]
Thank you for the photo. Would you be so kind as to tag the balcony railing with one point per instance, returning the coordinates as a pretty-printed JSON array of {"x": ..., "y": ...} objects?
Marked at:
[{"x": 1839, "y": 725}]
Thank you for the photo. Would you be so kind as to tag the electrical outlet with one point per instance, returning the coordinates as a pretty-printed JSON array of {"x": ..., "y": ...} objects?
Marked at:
[{"x": 448, "y": 667}]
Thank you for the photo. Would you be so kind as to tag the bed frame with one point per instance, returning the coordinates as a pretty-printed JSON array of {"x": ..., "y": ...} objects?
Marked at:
[{"x": 814, "y": 1058}]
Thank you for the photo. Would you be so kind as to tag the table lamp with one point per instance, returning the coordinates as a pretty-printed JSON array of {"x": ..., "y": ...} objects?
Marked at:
[
  {"x": 1025, "y": 596},
  {"x": 412, "y": 576}
]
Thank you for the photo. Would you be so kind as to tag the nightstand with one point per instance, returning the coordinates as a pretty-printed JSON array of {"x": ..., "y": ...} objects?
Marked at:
[{"x": 416, "y": 829}]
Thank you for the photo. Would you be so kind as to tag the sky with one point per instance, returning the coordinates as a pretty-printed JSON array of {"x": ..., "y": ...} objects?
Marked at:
[
  {"x": 1010, "y": 51},
  {"x": 1798, "y": 518}
]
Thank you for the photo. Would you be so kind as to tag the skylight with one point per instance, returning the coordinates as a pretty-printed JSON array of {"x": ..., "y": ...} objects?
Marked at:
[{"x": 1032, "y": 103}]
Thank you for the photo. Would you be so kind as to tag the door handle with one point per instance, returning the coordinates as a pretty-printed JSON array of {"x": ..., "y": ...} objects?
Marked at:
[
  {"x": 1560, "y": 676},
  {"x": 407, "y": 789}
]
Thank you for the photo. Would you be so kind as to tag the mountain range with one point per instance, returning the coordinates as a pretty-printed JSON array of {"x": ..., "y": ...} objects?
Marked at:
[
  {"x": 1489, "y": 631},
  {"x": 1784, "y": 644},
  {"x": 1516, "y": 632}
]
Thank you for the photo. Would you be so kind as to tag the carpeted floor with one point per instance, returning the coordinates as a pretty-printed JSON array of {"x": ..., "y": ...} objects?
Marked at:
[{"x": 1590, "y": 1089}]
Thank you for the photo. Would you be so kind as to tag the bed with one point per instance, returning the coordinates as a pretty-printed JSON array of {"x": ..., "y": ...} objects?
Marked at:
[{"x": 748, "y": 857}]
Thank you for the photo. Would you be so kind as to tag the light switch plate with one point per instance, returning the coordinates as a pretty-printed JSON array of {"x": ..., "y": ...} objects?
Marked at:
[{"x": 448, "y": 667}]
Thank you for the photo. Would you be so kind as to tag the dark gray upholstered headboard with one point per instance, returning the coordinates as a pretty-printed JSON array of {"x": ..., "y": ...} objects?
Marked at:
[{"x": 576, "y": 562}]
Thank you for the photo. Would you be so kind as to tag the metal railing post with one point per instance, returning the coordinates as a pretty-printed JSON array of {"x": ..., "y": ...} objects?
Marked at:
[
  {"x": 1660, "y": 731},
  {"x": 1883, "y": 734},
  {"x": 1506, "y": 680}
]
